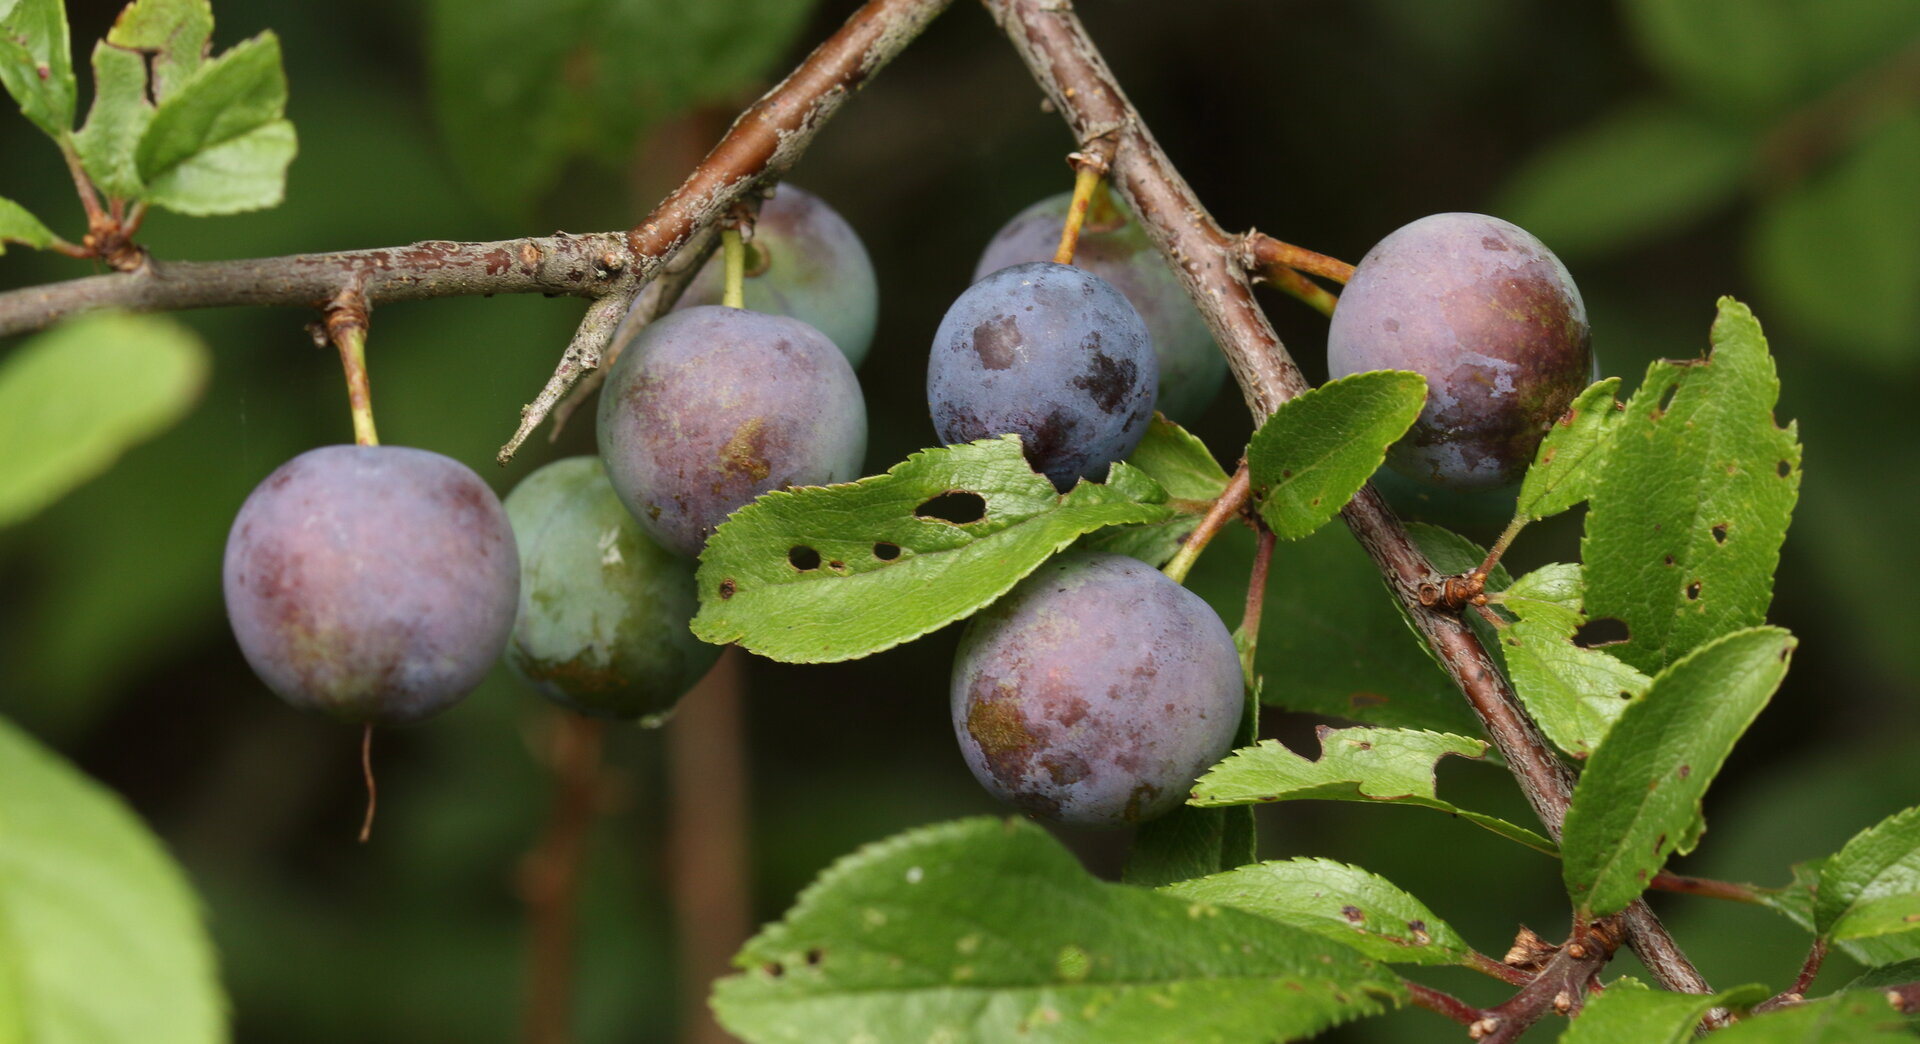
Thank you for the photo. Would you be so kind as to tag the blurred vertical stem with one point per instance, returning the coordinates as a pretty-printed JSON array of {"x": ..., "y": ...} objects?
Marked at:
[
  {"x": 734, "y": 251},
  {"x": 550, "y": 876},
  {"x": 707, "y": 838}
]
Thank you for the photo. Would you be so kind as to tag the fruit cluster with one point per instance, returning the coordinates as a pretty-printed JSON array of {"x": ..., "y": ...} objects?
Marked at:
[{"x": 379, "y": 584}]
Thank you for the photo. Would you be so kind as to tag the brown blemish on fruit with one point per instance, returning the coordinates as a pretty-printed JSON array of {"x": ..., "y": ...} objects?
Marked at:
[
  {"x": 745, "y": 454},
  {"x": 996, "y": 342},
  {"x": 1004, "y": 736},
  {"x": 1108, "y": 380},
  {"x": 1139, "y": 802}
]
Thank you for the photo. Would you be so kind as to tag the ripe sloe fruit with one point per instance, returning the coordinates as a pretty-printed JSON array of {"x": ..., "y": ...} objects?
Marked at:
[
  {"x": 373, "y": 583},
  {"x": 1095, "y": 692},
  {"x": 603, "y": 617},
  {"x": 711, "y": 407},
  {"x": 1115, "y": 247},
  {"x": 1491, "y": 318},
  {"x": 807, "y": 262},
  {"x": 1049, "y": 352}
]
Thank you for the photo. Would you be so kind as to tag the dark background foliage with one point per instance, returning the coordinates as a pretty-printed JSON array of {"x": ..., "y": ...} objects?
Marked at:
[{"x": 1671, "y": 152}]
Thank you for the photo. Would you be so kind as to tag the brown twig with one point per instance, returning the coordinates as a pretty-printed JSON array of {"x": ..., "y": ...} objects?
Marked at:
[
  {"x": 550, "y": 876},
  {"x": 1560, "y": 987},
  {"x": 1265, "y": 254},
  {"x": 366, "y": 773},
  {"x": 1443, "y": 1003},
  {"x": 1665, "y": 881},
  {"x": 1225, "y": 507},
  {"x": 1069, "y": 68},
  {"x": 1797, "y": 993}
]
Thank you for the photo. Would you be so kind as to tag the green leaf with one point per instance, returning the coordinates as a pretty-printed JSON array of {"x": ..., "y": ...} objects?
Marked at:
[
  {"x": 1754, "y": 57},
  {"x": 62, "y": 423},
  {"x": 988, "y": 931},
  {"x": 1639, "y": 799},
  {"x": 1356, "y": 764},
  {"x": 120, "y": 115},
  {"x": 1568, "y": 464},
  {"x": 1899, "y": 974},
  {"x": 218, "y": 144},
  {"x": 1629, "y": 1011},
  {"x": 1872, "y": 887},
  {"x": 856, "y": 602},
  {"x": 19, "y": 226},
  {"x": 1643, "y": 171},
  {"x": 1192, "y": 478},
  {"x": 36, "y": 64},
  {"x": 1574, "y": 693},
  {"x": 175, "y": 32},
  {"x": 574, "y": 87},
  {"x": 1183, "y": 844},
  {"x": 1847, "y": 1018},
  {"x": 1796, "y": 902},
  {"x": 1315, "y": 452},
  {"x": 1344, "y": 903},
  {"x": 100, "y": 934},
  {"x": 1685, "y": 526},
  {"x": 1858, "y": 215}
]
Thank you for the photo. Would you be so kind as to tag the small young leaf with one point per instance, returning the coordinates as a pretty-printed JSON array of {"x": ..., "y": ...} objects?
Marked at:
[
  {"x": 1845, "y": 1018},
  {"x": 988, "y": 931},
  {"x": 1356, "y": 764},
  {"x": 1796, "y": 902},
  {"x": 1316, "y": 451},
  {"x": 1574, "y": 693},
  {"x": 119, "y": 117},
  {"x": 1192, "y": 478},
  {"x": 218, "y": 144},
  {"x": 1645, "y": 169},
  {"x": 1568, "y": 463},
  {"x": 1872, "y": 887},
  {"x": 19, "y": 226},
  {"x": 62, "y": 425},
  {"x": 36, "y": 64},
  {"x": 886, "y": 574},
  {"x": 1638, "y": 801},
  {"x": 1344, "y": 903},
  {"x": 1685, "y": 525},
  {"x": 175, "y": 32},
  {"x": 1629, "y": 1011},
  {"x": 100, "y": 934}
]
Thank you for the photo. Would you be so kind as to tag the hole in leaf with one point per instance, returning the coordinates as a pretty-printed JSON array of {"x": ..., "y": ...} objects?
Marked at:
[
  {"x": 1785, "y": 469},
  {"x": 774, "y": 969},
  {"x": 886, "y": 552},
  {"x": 1669, "y": 559},
  {"x": 815, "y": 956},
  {"x": 803, "y": 558},
  {"x": 1720, "y": 533},
  {"x": 1607, "y": 630},
  {"x": 726, "y": 588},
  {"x": 1625, "y": 695},
  {"x": 838, "y": 567},
  {"x": 1666, "y": 398},
  {"x": 956, "y": 506},
  {"x": 1693, "y": 591}
]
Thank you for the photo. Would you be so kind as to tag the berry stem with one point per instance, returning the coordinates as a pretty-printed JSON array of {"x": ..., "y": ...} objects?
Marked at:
[
  {"x": 734, "y": 251},
  {"x": 1231, "y": 500},
  {"x": 346, "y": 324},
  {"x": 1086, "y": 178},
  {"x": 1268, "y": 253},
  {"x": 366, "y": 771},
  {"x": 1301, "y": 289},
  {"x": 1256, "y": 601}
]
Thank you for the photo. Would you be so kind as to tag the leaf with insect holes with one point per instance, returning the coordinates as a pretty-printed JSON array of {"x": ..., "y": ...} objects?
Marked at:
[
  {"x": 1568, "y": 462},
  {"x": 1685, "y": 524},
  {"x": 101, "y": 937},
  {"x": 36, "y": 64},
  {"x": 1315, "y": 452},
  {"x": 1872, "y": 886},
  {"x": 17, "y": 225},
  {"x": 1355, "y": 908},
  {"x": 1628, "y": 1011},
  {"x": 889, "y": 569},
  {"x": 220, "y": 144},
  {"x": 984, "y": 931},
  {"x": 1638, "y": 801},
  {"x": 1192, "y": 478},
  {"x": 1574, "y": 693},
  {"x": 1356, "y": 764}
]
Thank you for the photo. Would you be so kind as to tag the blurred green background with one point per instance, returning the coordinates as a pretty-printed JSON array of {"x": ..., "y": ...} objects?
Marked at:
[{"x": 1670, "y": 151}]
